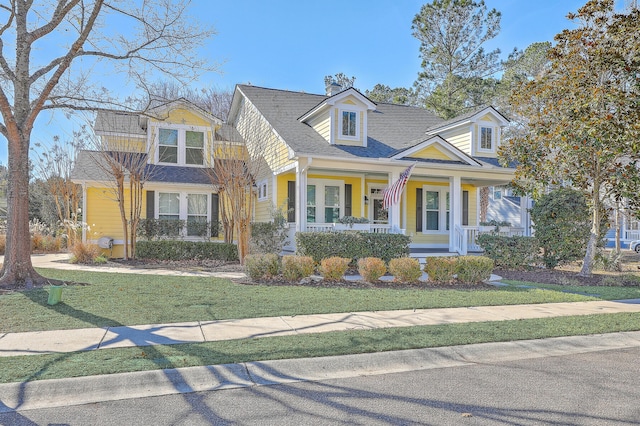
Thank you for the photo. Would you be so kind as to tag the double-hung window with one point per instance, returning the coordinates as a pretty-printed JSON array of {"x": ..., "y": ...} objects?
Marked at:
[
  {"x": 487, "y": 135},
  {"x": 324, "y": 201},
  {"x": 349, "y": 126},
  {"x": 194, "y": 147},
  {"x": 181, "y": 146},
  {"x": 168, "y": 146},
  {"x": 436, "y": 210},
  {"x": 193, "y": 209}
]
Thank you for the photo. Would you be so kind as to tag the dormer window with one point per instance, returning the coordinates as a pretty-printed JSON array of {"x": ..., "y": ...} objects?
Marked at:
[
  {"x": 486, "y": 136},
  {"x": 349, "y": 124}
]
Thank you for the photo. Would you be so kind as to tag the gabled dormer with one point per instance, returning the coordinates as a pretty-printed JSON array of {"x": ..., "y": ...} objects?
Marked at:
[
  {"x": 436, "y": 149},
  {"x": 181, "y": 134},
  {"x": 477, "y": 134},
  {"x": 341, "y": 119}
]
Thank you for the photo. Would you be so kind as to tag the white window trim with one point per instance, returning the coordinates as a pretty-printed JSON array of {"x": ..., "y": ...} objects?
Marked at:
[
  {"x": 348, "y": 137},
  {"x": 320, "y": 205},
  {"x": 380, "y": 196},
  {"x": 182, "y": 141},
  {"x": 183, "y": 212},
  {"x": 263, "y": 190},
  {"x": 442, "y": 209},
  {"x": 494, "y": 136}
]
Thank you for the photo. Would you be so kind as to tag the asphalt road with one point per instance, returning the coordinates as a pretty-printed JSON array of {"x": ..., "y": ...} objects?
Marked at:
[{"x": 597, "y": 388}]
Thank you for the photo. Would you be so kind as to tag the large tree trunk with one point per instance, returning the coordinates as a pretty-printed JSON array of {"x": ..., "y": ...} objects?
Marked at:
[
  {"x": 17, "y": 269},
  {"x": 592, "y": 245}
]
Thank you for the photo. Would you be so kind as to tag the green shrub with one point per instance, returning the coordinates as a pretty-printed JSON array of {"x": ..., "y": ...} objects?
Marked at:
[
  {"x": 333, "y": 268},
  {"x": 371, "y": 268},
  {"x": 157, "y": 229},
  {"x": 562, "y": 221},
  {"x": 473, "y": 269},
  {"x": 354, "y": 245},
  {"x": 259, "y": 266},
  {"x": 186, "y": 250},
  {"x": 405, "y": 269},
  {"x": 297, "y": 267},
  {"x": 440, "y": 269},
  {"x": 510, "y": 252}
]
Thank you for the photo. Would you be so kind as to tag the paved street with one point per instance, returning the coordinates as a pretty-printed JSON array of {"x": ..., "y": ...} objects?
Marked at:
[{"x": 596, "y": 388}]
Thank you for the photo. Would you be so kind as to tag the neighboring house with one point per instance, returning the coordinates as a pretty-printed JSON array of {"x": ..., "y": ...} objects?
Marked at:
[
  {"x": 333, "y": 155},
  {"x": 176, "y": 139},
  {"x": 325, "y": 157}
]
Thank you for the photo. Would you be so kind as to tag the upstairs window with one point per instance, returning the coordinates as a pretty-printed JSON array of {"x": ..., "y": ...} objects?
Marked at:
[
  {"x": 168, "y": 146},
  {"x": 349, "y": 124},
  {"x": 180, "y": 146},
  {"x": 486, "y": 139},
  {"x": 194, "y": 148}
]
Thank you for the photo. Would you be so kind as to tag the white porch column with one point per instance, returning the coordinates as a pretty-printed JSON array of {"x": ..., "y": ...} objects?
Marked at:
[
  {"x": 394, "y": 209},
  {"x": 525, "y": 217},
  {"x": 455, "y": 209},
  {"x": 301, "y": 196}
]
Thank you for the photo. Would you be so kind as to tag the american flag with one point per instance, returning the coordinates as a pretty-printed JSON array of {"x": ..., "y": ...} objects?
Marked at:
[{"x": 392, "y": 194}]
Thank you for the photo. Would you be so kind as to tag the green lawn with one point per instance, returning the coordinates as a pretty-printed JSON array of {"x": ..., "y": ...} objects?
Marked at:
[
  {"x": 110, "y": 361},
  {"x": 129, "y": 299}
]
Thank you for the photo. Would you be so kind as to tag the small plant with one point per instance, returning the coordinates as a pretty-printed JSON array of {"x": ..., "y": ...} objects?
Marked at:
[
  {"x": 611, "y": 262},
  {"x": 333, "y": 268},
  {"x": 101, "y": 259},
  {"x": 405, "y": 269},
  {"x": 297, "y": 267},
  {"x": 84, "y": 253},
  {"x": 441, "y": 269},
  {"x": 260, "y": 266},
  {"x": 473, "y": 269},
  {"x": 371, "y": 268}
]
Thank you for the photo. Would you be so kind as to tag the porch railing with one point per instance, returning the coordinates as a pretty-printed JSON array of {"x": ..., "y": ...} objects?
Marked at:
[
  {"x": 378, "y": 228},
  {"x": 632, "y": 235}
]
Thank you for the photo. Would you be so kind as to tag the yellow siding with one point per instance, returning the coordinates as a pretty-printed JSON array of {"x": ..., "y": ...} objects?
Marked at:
[
  {"x": 261, "y": 139},
  {"x": 184, "y": 116},
  {"x": 322, "y": 125},
  {"x": 432, "y": 152},
  {"x": 282, "y": 182},
  {"x": 487, "y": 117},
  {"x": 460, "y": 138},
  {"x": 103, "y": 215},
  {"x": 123, "y": 143}
]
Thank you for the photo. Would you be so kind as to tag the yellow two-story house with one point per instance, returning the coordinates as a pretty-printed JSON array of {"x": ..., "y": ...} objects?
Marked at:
[{"x": 176, "y": 141}]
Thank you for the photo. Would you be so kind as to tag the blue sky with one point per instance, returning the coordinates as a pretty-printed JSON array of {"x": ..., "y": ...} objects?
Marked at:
[{"x": 293, "y": 44}]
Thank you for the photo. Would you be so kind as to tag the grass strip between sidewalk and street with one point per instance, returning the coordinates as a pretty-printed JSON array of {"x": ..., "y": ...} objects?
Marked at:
[
  {"x": 110, "y": 361},
  {"x": 111, "y": 300}
]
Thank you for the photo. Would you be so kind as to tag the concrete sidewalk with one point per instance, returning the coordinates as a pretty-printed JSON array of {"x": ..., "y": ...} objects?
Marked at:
[{"x": 61, "y": 341}]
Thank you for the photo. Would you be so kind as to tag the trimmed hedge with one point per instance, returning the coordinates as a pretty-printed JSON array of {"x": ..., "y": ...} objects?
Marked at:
[
  {"x": 186, "y": 250},
  {"x": 354, "y": 245},
  {"x": 510, "y": 252}
]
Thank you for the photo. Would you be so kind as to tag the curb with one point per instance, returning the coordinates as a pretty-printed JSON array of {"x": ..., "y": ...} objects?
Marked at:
[{"x": 92, "y": 389}]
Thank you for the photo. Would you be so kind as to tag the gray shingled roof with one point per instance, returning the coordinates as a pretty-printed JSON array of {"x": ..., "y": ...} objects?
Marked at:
[
  {"x": 119, "y": 122},
  {"x": 463, "y": 117},
  {"x": 391, "y": 128},
  {"x": 90, "y": 166}
]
